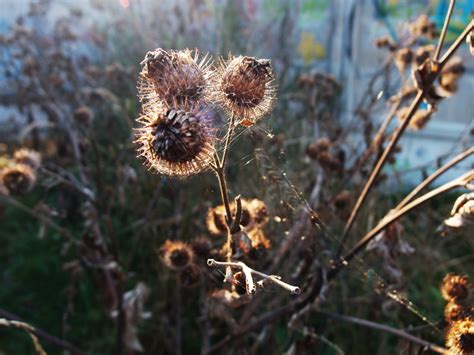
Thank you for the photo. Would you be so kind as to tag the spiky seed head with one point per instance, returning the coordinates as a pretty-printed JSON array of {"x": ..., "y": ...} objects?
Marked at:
[
  {"x": 216, "y": 220},
  {"x": 423, "y": 53},
  {"x": 244, "y": 87},
  {"x": 18, "y": 179},
  {"x": 173, "y": 78},
  {"x": 460, "y": 337},
  {"x": 423, "y": 27},
  {"x": 448, "y": 79},
  {"x": 454, "y": 287},
  {"x": 454, "y": 312},
  {"x": 176, "y": 142},
  {"x": 190, "y": 276},
  {"x": 176, "y": 255}
]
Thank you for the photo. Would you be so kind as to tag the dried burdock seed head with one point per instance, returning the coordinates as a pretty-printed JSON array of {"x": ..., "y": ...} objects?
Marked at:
[
  {"x": 419, "y": 119},
  {"x": 176, "y": 254},
  {"x": 423, "y": 27},
  {"x": 455, "y": 312},
  {"x": 83, "y": 115},
  {"x": 403, "y": 58},
  {"x": 190, "y": 276},
  {"x": 18, "y": 179},
  {"x": 423, "y": 53},
  {"x": 460, "y": 337},
  {"x": 202, "y": 247},
  {"x": 318, "y": 146},
  {"x": 462, "y": 212},
  {"x": 173, "y": 78},
  {"x": 448, "y": 79},
  {"x": 385, "y": 42},
  {"x": 28, "y": 157},
  {"x": 258, "y": 212},
  {"x": 258, "y": 239},
  {"x": 244, "y": 87},
  {"x": 176, "y": 142},
  {"x": 455, "y": 288},
  {"x": 216, "y": 220}
]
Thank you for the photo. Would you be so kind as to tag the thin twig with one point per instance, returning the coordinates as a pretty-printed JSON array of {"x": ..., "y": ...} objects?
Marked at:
[
  {"x": 444, "y": 30},
  {"x": 434, "y": 176},
  {"x": 396, "y": 214},
  {"x": 385, "y": 328},
  {"x": 248, "y": 271},
  {"x": 27, "y": 328}
]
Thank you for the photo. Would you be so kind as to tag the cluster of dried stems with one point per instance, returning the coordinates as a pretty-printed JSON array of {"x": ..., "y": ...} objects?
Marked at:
[{"x": 181, "y": 132}]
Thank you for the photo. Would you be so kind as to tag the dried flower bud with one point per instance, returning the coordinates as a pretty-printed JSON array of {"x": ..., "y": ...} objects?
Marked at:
[
  {"x": 176, "y": 142},
  {"x": 173, "y": 78},
  {"x": 190, "y": 276},
  {"x": 176, "y": 254},
  {"x": 28, "y": 157},
  {"x": 403, "y": 58},
  {"x": 18, "y": 179},
  {"x": 460, "y": 337},
  {"x": 202, "y": 247},
  {"x": 455, "y": 312},
  {"x": 244, "y": 87},
  {"x": 423, "y": 27},
  {"x": 455, "y": 288},
  {"x": 423, "y": 53},
  {"x": 83, "y": 115},
  {"x": 449, "y": 77},
  {"x": 385, "y": 42},
  {"x": 216, "y": 220}
]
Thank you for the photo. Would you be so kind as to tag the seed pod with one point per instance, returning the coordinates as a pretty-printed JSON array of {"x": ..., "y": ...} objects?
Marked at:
[
  {"x": 244, "y": 87},
  {"x": 176, "y": 142},
  {"x": 18, "y": 179},
  {"x": 455, "y": 288},
  {"x": 28, "y": 157},
  {"x": 176, "y": 255},
  {"x": 460, "y": 337},
  {"x": 173, "y": 78},
  {"x": 202, "y": 247}
]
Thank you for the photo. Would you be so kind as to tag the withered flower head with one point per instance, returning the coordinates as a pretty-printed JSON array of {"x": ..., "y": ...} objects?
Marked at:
[
  {"x": 419, "y": 119},
  {"x": 448, "y": 79},
  {"x": 423, "y": 53},
  {"x": 83, "y": 115},
  {"x": 176, "y": 142},
  {"x": 460, "y": 337},
  {"x": 190, "y": 276},
  {"x": 18, "y": 179},
  {"x": 403, "y": 58},
  {"x": 202, "y": 246},
  {"x": 455, "y": 312},
  {"x": 244, "y": 87},
  {"x": 254, "y": 214},
  {"x": 385, "y": 42},
  {"x": 318, "y": 146},
  {"x": 423, "y": 27},
  {"x": 28, "y": 157},
  {"x": 455, "y": 288},
  {"x": 176, "y": 254},
  {"x": 173, "y": 78}
]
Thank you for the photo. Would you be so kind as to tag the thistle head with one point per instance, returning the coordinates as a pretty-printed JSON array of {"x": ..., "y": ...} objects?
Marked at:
[
  {"x": 176, "y": 142},
  {"x": 173, "y": 78},
  {"x": 460, "y": 336},
  {"x": 18, "y": 179},
  {"x": 176, "y": 255},
  {"x": 244, "y": 87},
  {"x": 455, "y": 287}
]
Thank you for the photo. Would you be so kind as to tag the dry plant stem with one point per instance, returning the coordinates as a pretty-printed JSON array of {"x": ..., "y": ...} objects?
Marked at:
[
  {"x": 434, "y": 176},
  {"x": 398, "y": 133},
  {"x": 378, "y": 167},
  {"x": 248, "y": 275},
  {"x": 392, "y": 216},
  {"x": 400, "y": 333},
  {"x": 27, "y": 328},
  {"x": 444, "y": 30}
]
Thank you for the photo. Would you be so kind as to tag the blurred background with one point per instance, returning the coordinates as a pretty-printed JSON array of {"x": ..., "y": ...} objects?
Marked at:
[{"x": 68, "y": 76}]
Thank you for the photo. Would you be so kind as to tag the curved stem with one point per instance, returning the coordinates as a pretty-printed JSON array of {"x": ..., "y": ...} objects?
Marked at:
[{"x": 434, "y": 176}]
